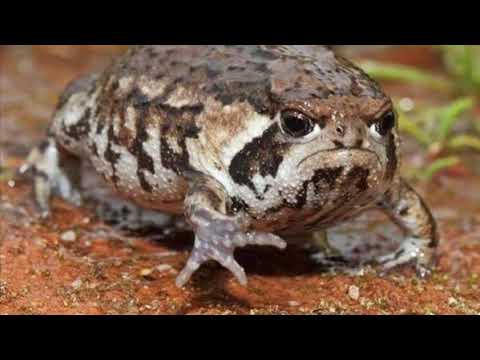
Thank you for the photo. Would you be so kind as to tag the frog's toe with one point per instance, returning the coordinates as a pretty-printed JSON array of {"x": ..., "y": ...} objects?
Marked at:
[
  {"x": 412, "y": 252},
  {"x": 194, "y": 261},
  {"x": 205, "y": 250},
  {"x": 259, "y": 238},
  {"x": 336, "y": 263},
  {"x": 423, "y": 271},
  {"x": 325, "y": 260}
]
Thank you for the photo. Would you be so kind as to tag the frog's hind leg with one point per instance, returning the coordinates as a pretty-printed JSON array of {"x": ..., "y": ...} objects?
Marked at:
[
  {"x": 125, "y": 215},
  {"x": 121, "y": 213},
  {"x": 408, "y": 210},
  {"x": 49, "y": 177},
  {"x": 324, "y": 254}
]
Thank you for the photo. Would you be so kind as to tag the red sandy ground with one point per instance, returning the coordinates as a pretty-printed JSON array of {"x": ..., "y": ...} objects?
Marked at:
[{"x": 107, "y": 273}]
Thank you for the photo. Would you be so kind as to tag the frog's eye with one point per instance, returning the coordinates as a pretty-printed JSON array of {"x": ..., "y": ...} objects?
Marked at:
[
  {"x": 384, "y": 125},
  {"x": 296, "y": 124}
]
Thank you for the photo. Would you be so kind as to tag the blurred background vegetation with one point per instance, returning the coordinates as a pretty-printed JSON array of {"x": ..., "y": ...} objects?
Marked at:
[{"x": 439, "y": 107}]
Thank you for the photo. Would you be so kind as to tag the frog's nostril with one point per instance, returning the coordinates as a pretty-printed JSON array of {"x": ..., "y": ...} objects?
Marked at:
[{"x": 340, "y": 129}]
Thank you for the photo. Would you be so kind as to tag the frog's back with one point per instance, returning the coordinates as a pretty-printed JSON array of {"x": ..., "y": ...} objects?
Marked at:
[{"x": 258, "y": 74}]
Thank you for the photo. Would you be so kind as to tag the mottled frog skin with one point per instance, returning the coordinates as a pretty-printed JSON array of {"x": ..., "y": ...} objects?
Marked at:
[{"x": 250, "y": 143}]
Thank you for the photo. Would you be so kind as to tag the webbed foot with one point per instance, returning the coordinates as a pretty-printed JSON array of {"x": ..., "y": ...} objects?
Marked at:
[
  {"x": 411, "y": 251},
  {"x": 216, "y": 239}
]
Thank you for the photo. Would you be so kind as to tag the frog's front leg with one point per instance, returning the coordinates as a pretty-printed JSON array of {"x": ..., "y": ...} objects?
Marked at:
[
  {"x": 49, "y": 177},
  {"x": 216, "y": 233},
  {"x": 406, "y": 208}
]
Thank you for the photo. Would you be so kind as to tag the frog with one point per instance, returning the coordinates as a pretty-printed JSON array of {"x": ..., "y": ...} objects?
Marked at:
[{"x": 249, "y": 144}]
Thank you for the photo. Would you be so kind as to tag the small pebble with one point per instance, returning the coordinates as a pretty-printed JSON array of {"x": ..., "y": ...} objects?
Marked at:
[
  {"x": 146, "y": 272},
  {"x": 354, "y": 292},
  {"x": 166, "y": 254},
  {"x": 40, "y": 242},
  {"x": 163, "y": 267},
  {"x": 452, "y": 301},
  {"x": 293, "y": 303},
  {"x": 76, "y": 284},
  {"x": 11, "y": 183},
  {"x": 68, "y": 236}
]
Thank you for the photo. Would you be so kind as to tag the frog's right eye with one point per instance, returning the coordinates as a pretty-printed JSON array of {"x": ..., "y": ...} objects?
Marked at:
[{"x": 296, "y": 124}]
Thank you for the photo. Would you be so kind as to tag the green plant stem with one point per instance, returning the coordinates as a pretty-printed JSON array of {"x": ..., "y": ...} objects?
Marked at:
[
  {"x": 438, "y": 165},
  {"x": 406, "y": 74},
  {"x": 464, "y": 141},
  {"x": 450, "y": 115}
]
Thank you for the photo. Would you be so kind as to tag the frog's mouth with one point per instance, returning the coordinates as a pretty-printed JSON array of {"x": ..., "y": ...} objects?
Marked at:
[{"x": 339, "y": 152}]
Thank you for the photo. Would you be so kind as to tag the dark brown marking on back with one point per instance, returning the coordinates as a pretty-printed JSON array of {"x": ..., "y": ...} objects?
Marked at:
[
  {"x": 179, "y": 124},
  {"x": 81, "y": 128},
  {"x": 257, "y": 94},
  {"x": 110, "y": 155},
  {"x": 141, "y": 104}
]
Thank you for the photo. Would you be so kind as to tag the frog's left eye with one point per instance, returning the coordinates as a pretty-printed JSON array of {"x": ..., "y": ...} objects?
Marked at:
[
  {"x": 384, "y": 125},
  {"x": 296, "y": 124}
]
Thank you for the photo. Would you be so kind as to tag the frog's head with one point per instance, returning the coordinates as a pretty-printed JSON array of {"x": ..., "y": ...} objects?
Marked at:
[
  {"x": 332, "y": 142},
  {"x": 342, "y": 131}
]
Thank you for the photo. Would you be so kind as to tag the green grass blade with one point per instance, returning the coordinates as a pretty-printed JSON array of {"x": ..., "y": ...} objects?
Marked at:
[
  {"x": 437, "y": 166},
  {"x": 463, "y": 64},
  {"x": 464, "y": 141},
  {"x": 406, "y": 74},
  {"x": 449, "y": 115}
]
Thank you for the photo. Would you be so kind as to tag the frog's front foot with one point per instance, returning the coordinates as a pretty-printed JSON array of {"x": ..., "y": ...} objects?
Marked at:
[
  {"x": 216, "y": 239},
  {"x": 43, "y": 164},
  {"x": 217, "y": 233},
  {"x": 412, "y": 251}
]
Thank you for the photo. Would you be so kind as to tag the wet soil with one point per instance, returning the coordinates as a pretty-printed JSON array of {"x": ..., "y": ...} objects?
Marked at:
[{"x": 72, "y": 263}]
